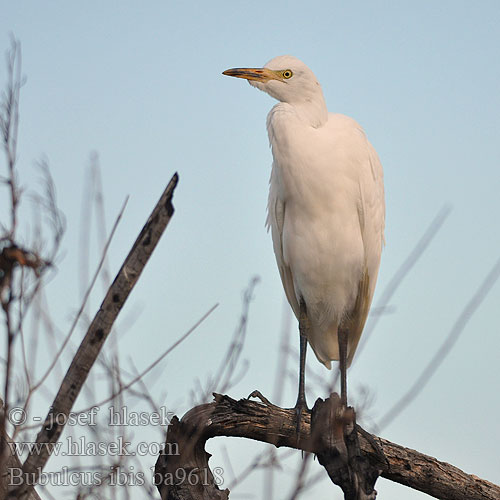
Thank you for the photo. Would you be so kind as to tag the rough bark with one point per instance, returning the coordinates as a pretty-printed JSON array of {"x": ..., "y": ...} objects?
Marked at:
[
  {"x": 96, "y": 335},
  {"x": 12, "y": 462},
  {"x": 266, "y": 422},
  {"x": 335, "y": 439}
]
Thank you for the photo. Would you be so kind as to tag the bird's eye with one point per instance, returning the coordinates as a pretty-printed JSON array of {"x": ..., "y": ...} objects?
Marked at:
[{"x": 287, "y": 73}]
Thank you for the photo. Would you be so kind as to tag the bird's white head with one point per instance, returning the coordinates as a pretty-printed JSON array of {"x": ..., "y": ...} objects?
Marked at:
[{"x": 289, "y": 80}]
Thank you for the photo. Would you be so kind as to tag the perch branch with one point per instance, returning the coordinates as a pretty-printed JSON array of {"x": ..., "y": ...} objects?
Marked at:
[{"x": 263, "y": 421}]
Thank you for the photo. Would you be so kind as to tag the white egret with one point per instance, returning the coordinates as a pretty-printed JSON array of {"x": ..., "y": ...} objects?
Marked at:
[{"x": 326, "y": 212}]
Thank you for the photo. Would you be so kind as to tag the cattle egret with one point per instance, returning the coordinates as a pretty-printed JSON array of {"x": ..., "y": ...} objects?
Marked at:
[{"x": 326, "y": 212}]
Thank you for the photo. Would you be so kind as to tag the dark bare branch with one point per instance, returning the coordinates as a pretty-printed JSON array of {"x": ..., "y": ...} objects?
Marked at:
[
  {"x": 97, "y": 333},
  {"x": 272, "y": 424}
]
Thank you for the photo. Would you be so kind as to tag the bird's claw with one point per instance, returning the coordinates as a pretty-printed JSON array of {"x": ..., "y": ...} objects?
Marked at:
[
  {"x": 300, "y": 409},
  {"x": 258, "y": 395},
  {"x": 378, "y": 450}
]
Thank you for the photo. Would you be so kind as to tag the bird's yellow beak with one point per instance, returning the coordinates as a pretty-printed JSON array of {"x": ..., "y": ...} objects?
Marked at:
[{"x": 257, "y": 74}]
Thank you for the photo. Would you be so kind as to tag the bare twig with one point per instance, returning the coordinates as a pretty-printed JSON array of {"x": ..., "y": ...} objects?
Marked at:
[
  {"x": 61, "y": 348},
  {"x": 21, "y": 264},
  {"x": 224, "y": 378},
  {"x": 402, "y": 272},
  {"x": 96, "y": 335},
  {"x": 445, "y": 348},
  {"x": 140, "y": 375},
  {"x": 9, "y": 126},
  {"x": 85, "y": 298}
]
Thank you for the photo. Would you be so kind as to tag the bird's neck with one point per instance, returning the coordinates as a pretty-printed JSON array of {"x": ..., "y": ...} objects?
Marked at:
[{"x": 313, "y": 112}]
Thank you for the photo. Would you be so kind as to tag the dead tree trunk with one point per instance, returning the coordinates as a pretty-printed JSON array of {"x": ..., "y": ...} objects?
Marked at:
[{"x": 268, "y": 423}]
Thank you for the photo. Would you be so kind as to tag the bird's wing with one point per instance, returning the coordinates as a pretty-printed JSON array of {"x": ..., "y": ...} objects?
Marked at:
[
  {"x": 371, "y": 214},
  {"x": 276, "y": 209}
]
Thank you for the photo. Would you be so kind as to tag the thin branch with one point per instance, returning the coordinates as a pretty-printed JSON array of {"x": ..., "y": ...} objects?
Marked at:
[
  {"x": 9, "y": 126},
  {"x": 140, "y": 375},
  {"x": 96, "y": 335},
  {"x": 403, "y": 271},
  {"x": 225, "y": 376},
  {"x": 79, "y": 313},
  {"x": 85, "y": 298},
  {"x": 445, "y": 348}
]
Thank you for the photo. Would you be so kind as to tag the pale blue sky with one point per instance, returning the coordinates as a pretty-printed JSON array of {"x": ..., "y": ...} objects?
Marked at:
[{"x": 142, "y": 86}]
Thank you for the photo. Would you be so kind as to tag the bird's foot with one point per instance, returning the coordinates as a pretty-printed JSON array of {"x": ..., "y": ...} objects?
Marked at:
[
  {"x": 335, "y": 436},
  {"x": 258, "y": 395},
  {"x": 384, "y": 462},
  {"x": 300, "y": 409}
]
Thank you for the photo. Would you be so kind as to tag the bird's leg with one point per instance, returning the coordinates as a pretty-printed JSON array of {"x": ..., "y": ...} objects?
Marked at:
[
  {"x": 342, "y": 339},
  {"x": 301, "y": 399}
]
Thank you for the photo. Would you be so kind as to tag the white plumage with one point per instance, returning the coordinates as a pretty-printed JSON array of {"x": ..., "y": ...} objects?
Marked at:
[{"x": 326, "y": 207}]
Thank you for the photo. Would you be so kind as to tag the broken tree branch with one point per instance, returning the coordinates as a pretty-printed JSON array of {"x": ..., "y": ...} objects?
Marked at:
[
  {"x": 268, "y": 423},
  {"x": 95, "y": 337}
]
